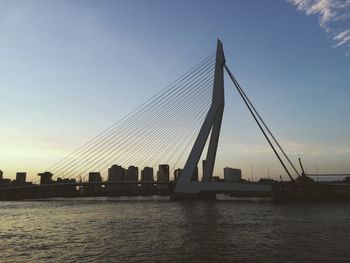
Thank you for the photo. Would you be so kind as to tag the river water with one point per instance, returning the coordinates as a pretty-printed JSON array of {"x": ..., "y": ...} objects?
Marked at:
[{"x": 153, "y": 229}]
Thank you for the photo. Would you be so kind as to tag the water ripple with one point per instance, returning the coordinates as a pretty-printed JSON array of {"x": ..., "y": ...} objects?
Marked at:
[{"x": 155, "y": 230}]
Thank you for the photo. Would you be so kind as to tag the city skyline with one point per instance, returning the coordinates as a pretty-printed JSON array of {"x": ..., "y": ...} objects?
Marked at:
[{"x": 77, "y": 77}]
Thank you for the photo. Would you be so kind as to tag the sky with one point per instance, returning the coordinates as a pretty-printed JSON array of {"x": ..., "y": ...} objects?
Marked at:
[{"x": 69, "y": 69}]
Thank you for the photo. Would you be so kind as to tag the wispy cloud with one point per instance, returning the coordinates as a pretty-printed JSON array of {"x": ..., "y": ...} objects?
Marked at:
[
  {"x": 343, "y": 38},
  {"x": 333, "y": 17}
]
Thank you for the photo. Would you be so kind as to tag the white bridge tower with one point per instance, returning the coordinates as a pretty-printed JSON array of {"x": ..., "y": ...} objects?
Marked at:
[{"x": 186, "y": 187}]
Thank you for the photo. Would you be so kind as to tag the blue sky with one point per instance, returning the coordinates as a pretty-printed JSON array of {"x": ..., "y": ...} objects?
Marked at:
[{"x": 69, "y": 69}]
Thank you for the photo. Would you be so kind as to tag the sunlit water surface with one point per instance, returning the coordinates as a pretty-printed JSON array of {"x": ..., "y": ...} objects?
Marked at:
[{"x": 153, "y": 229}]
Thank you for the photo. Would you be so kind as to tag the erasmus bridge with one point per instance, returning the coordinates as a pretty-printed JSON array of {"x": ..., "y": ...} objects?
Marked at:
[{"x": 179, "y": 126}]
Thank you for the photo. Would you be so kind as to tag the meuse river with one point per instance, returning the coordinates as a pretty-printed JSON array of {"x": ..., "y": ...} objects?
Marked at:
[{"x": 153, "y": 229}]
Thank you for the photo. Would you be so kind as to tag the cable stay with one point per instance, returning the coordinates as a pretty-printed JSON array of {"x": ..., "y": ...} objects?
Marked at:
[
  {"x": 260, "y": 122},
  {"x": 160, "y": 130},
  {"x": 164, "y": 127}
]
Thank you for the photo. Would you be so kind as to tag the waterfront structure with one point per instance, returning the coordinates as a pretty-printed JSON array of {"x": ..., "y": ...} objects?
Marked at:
[
  {"x": 210, "y": 130},
  {"x": 95, "y": 177},
  {"x": 45, "y": 177},
  {"x": 132, "y": 174},
  {"x": 211, "y": 126},
  {"x": 116, "y": 173},
  {"x": 187, "y": 184},
  {"x": 147, "y": 174},
  {"x": 232, "y": 174},
  {"x": 177, "y": 174},
  {"x": 163, "y": 173},
  {"x": 5, "y": 183},
  {"x": 21, "y": 178}
]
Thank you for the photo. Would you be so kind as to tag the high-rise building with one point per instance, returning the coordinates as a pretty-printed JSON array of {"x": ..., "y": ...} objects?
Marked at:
[
  {"x": 132, "y": 173},
  {"x": 21, "y": 178},
  {"x": 163, "y": 176},
  {"x": 147, "y": 174},
  {"x": 177, "y": 174},
  {"x": 163, "y": 173},
  {"x": 116, "y": 173},
  {"x": 45, "y": 177},
  {"x": 232, "y": 174}
]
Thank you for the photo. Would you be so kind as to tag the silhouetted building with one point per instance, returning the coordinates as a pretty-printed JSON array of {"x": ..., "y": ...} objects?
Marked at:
[
  {"x": 163, "y": 176},
  {"x": 45, "y": 177},
  {"x": 95, "y": 177},
  {"x": 132, "y": 175},
  {"x": 116, "y": 173},
  {"x": 5, "y": 183},
  {"x": 21, "y": 178},
  {"x": 177, "y": 174},
  {"x": 163, "y": 173},
  {"x": 232, "y": 174},
  {"x": 147, "y": 174}
]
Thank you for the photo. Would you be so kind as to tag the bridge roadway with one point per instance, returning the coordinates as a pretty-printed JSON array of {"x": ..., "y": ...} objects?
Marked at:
[
  {"x": 241, "y": 189},
  {"x": 55, "y": 184},
  {"x": 216, "y": 186}
]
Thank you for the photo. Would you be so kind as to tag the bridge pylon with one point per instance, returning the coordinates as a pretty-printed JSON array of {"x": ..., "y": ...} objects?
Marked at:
[{"x": 186, "y": 187}]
